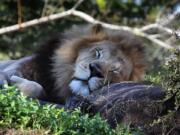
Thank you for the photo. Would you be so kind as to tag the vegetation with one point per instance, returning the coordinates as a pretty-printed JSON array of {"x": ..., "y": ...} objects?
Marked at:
[
  {"x": 21, "y": 115},
  {"x": 171, "y": 84},
  {"x": 172, "y": 77},
  {"x": 168, "y": 77}
]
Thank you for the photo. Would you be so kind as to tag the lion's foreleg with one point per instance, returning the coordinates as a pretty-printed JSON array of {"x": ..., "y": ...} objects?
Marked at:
[
  {"x": 28, "y": 88},
  {"x": 3, "y": 78}
]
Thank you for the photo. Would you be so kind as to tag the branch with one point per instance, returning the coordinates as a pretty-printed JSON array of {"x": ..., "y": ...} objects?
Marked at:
[
  {"x": 34, "y": 22},
  {"x": 157, "y": 26},
  {"x": 88, "y": 18},
  {"x": 136, "y": 31},
  {"x": 40, "y": 20},
  {"x": 170, "y": 19},
  {"x": 19, "y": 7},
  {"x": 52, "y": 17},
  {"x": 157, "y": 41},
  {"x": 44, "y": 8}
]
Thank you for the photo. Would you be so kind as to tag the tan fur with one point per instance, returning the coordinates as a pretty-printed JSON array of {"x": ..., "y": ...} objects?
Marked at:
[{"x": 81, "y": 39}]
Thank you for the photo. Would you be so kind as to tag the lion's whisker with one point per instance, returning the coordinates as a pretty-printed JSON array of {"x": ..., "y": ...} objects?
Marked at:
[{"x": 106, "y": 77}]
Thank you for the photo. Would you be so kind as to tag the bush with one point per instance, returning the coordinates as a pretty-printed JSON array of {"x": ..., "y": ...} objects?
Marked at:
[
  {"x": 172, "y": 77},
  {"x": 16, "y": 111}
]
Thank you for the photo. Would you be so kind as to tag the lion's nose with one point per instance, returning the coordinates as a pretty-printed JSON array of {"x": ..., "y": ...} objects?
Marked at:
[{"x": 95, "y": 70}]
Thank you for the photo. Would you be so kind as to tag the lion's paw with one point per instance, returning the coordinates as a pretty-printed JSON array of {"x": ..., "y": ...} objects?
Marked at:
[
  {"x": 95, "y": 83},
  {"x": 79, "y": 87},
  {"x": 27, "y": 87}
]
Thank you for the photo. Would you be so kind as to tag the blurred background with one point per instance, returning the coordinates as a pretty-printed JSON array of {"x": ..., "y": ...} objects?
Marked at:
[{"x": 132, "y": 13}]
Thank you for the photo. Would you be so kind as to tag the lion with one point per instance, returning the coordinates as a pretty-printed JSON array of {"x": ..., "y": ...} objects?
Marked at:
[{"x": 82, "y": 60}]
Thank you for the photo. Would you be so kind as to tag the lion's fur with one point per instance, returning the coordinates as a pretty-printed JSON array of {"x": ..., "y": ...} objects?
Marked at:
[{"x": 53, "y": 66}]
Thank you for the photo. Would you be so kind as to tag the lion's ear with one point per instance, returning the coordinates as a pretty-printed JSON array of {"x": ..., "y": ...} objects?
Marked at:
[{"x": 97, "y": 29}]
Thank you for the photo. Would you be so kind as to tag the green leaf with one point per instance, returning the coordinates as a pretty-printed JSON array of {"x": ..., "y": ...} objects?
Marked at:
[{"x": 101, "y": 4}]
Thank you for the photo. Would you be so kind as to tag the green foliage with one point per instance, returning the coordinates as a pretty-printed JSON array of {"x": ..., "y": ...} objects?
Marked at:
[
  {"x": 19, "y": 112},
  {"x": 168, "y": 76},
  {"x": 154, "y": 78},
  {"x": 172, "y": 77},
  {"x": 101, "y": 4},
  {"x": 125, "y": 130}
]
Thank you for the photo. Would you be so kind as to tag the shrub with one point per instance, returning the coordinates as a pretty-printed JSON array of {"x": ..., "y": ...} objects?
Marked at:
[
  {"x": 16, "y": 111},
  {"x": 169, "y": 119},
  {"x": 172, "y": 77}
]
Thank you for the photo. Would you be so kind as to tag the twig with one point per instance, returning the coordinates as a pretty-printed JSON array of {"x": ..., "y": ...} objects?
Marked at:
[
  {"x": 177, "y": 34},
  {"x": 171, "y": 19},
  {"x": 44, "y": 8},
  {"x": 77, "y": 4},
  {"x": 19, "y": 7},
  {"x": 90, "y": 19},
  {"x": 169, "y": 132},
  {"x": 157, "y": 36},
  {"x": 157, "y": 41},
  {"x": 157, "y": 26},
  {"x": 159, "y": 15}
]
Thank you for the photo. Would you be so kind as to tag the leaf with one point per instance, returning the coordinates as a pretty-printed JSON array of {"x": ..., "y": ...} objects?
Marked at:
[{"x": 101, "y": 4}]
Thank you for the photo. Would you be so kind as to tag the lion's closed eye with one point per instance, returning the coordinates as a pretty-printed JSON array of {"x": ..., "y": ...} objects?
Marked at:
[{"x": 115, "y": 70}]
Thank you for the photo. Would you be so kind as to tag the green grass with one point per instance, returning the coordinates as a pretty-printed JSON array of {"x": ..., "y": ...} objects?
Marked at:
[{"x": 19, "y": 114}]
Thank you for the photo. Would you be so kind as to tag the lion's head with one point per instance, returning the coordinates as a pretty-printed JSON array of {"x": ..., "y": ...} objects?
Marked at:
[{"x": 94, "y": 57}]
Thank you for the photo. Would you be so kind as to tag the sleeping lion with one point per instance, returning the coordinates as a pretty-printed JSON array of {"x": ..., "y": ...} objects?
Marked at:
[{"x": 78, "y": 61}]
